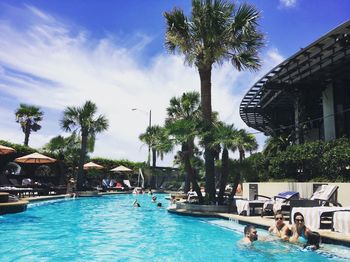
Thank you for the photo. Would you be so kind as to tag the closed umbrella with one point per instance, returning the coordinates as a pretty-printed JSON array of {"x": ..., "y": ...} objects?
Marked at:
[
  {"x": 35, "y": 158},
  {"x": 6, "y": 150}
]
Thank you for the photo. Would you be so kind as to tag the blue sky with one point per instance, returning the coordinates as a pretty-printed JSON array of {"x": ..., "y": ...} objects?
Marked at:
[{"x": 58, "y": 53}]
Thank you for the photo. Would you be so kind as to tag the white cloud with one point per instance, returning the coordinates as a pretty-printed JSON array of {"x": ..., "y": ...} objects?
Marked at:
[
  {"x": 288, "y": 3},
  {"x": 51, "y": 64}
]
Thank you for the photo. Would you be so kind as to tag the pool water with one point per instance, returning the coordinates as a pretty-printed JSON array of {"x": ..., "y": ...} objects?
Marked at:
[{"x": 108, "y": 228}]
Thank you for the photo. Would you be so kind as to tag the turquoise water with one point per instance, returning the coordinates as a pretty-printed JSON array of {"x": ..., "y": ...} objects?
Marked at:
[{"x": 110, "y": 229}]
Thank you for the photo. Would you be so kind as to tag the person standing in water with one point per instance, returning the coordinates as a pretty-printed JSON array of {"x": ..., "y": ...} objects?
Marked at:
[
  {"x": 250, "y": 234},
  {"x": 280, "y": 229},
  {"x": 300, "y": 233}
]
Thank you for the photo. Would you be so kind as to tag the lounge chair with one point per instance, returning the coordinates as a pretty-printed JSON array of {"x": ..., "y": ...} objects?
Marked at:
[
  {"x": 267, "y": 204},
  {"x": 325, "y": 195},
  {"x": 318, "y": 217},
  {"x": 280, "y": 202},
  {"x": 340, "y": 221},
  {"x": 127, "y": 183},
  {"x": 248, "y": 207},
  {"x": 323, "y": 201}
]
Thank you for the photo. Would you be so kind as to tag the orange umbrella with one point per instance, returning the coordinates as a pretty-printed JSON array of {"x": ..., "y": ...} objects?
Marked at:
[
  {"x": 92, "y": 165},
  {"x": 6, "y": 150},
  {"x": 35, "y": 158}
]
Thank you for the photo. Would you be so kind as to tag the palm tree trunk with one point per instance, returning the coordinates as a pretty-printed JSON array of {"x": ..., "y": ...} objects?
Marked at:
[
  {"x": 26, "y": 134},
  {"x": 205, "y": 78},
  {"x": 187, "y": 153},
  {"x": 187, "y": 178},
  {"x": 80, "y": 176},
  {"x": 154, "y": 157},
  {"x": 224, "y": 175},
  {"x": 60, "y": 169}
]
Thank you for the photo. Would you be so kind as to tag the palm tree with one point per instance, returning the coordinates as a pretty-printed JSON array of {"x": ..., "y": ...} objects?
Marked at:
[
  {"x": 156, "y": 139},
  {"x": 225, "y": 137},
  {"x": 67, "y": 150},
  {"x": 28, "y": 117},
  {"x": 243, "y": 142},
  {"x": 83, "y": 119},
  {"x": 183, "y": 119},
  {"x": 275, "y": 144},
  {"x": 216, "y": 32}
]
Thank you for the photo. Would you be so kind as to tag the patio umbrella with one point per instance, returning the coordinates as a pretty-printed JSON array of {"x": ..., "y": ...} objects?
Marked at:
[
  {"x": 35, "y": 158},
  {"x": 92, "y": 165},
  {"x": 6, "y": 150},
  {"x": 121, "y": 169}
]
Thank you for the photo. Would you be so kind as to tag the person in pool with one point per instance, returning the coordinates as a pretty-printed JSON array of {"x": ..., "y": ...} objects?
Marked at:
[
  {"x": 280, "y": 229},
  {"x": 313, "y": 241},
  {"x": 154, "y": 199},
  {"x": 136, "y": 204},
  {"x": 250, "y": 234},
  {"x": 300, "y": 233}
]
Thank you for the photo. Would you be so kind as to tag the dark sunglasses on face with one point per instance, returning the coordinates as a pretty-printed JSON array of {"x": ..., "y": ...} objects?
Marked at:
[
  {"x": 299, "y": 220},
  {"x": 279, "y": 218}
]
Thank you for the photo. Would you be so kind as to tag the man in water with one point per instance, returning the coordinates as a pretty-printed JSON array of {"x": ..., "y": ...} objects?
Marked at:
[{"x": 250, "y": 234}]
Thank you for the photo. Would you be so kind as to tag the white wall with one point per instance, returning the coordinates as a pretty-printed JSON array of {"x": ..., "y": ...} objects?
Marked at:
[{"x": 305, "y": 189}]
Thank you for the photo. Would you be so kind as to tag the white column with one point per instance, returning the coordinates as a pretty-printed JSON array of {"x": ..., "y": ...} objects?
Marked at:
[{"x": 328, "y": 113}]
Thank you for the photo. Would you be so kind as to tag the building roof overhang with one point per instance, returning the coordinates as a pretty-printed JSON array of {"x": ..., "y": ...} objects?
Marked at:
[{"x": 325, "y": 60}]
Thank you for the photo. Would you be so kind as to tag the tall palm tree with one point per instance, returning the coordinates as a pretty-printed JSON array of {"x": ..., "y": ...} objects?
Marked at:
[
  {"x": 83, "y": 120},
  {"x": 28, "y": 117},
  {"x": 225, "y": 137},
  {"x": 183, "y": 118},
  {"x": 243, "y": 142},
  {"x": 215, "y": 32}
]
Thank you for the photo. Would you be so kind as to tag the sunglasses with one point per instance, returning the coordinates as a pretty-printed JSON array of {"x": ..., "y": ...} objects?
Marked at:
[
  {"x": 279, "y": 218},
  {"x": 299, "y": 220}
]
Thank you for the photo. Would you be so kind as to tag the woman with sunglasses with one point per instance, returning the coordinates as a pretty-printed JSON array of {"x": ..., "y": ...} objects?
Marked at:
[
  {"x": 300, "y": 233},
  {"x": 280, "y": 229}
]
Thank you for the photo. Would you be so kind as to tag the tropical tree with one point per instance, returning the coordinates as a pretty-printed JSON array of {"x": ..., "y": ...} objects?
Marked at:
[
  {"x": 226, "y": 138},
  {"x": 243, "y": 142},
  {"x": 156, "y": 138},
  {"x": 83, "y": 120},
  {"x": 29, "y": 118},
  {"x": 276, "y": 144},
  {"x": 215, "y": 32},
  {"x": 67, "y": 150},
  {"x": 182, "y": 122}
]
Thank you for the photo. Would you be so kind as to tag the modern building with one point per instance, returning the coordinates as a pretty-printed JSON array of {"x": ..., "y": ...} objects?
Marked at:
[{"x": 307, "y": 95}]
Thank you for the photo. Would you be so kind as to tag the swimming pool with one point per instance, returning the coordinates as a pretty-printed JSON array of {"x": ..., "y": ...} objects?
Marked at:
[{"x": 110, "y": 229}]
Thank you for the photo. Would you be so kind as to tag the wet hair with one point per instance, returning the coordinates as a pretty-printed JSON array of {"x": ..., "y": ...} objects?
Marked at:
[
  {"x": 278, "y": 212},
  {"x": 297, "y": 214},
  {"x": 159, "y": 204},
  {"x": 248, "y": 228},
  {"x": 314, "y": 239}
]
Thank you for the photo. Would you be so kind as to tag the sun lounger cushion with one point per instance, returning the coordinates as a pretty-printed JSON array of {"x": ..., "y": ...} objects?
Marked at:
[
  {"x": 280, "y": 200},
  {"x": 324, "y": 192}
]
